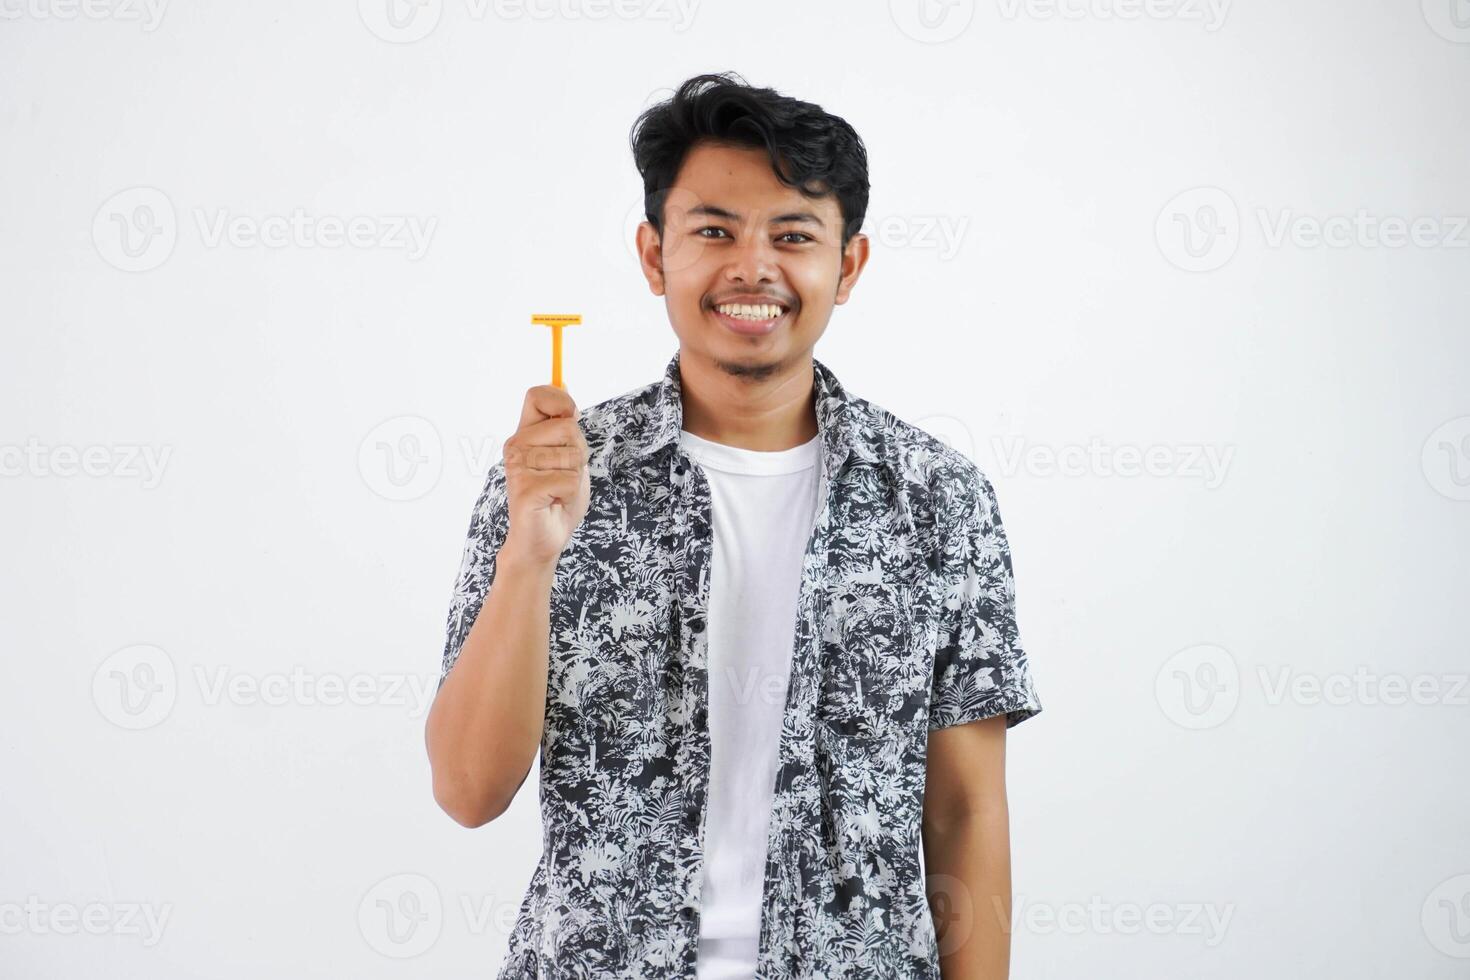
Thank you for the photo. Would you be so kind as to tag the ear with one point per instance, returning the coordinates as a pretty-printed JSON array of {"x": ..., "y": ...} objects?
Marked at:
[
  {"x": 650, "y": 257},
  {"x": 854, "y": 258}
]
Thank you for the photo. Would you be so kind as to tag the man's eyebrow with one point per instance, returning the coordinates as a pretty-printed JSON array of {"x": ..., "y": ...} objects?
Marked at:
[{"x": 792, "y": 217}]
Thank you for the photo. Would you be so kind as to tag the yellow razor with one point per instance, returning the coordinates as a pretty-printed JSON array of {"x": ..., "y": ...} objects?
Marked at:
[{"x": 556, "y": 321}]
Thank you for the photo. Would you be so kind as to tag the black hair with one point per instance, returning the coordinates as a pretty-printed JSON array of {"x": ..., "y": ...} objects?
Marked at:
[{"x": 810, "y": 149}]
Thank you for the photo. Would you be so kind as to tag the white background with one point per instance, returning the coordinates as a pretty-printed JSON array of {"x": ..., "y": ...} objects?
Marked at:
[{"x": 1031, "y": 296}]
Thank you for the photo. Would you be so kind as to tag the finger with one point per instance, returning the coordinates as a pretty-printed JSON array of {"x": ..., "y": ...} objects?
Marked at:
[
  {"x": 549, "y": 444},
  {"x": 543, "y": 487},
  {"x": 551, "y": 432},
  {"x": 544, "y": 458},
  {"x": 546, "y": 402}
]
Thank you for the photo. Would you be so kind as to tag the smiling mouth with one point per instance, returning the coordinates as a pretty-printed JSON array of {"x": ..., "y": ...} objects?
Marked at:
[
  {"x": 751, "y": 319},
  {"x": 753, "y": 312}
]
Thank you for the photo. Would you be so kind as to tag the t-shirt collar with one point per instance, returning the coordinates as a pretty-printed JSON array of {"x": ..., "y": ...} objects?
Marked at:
[{"x": 845, "y": 429}]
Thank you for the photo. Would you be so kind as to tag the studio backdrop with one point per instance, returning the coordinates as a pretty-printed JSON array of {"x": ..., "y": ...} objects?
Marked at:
[{"x": 1186, "y": 279}]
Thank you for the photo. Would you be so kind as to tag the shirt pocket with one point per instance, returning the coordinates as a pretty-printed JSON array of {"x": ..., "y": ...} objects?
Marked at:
[{"x": 871, "y": 664}]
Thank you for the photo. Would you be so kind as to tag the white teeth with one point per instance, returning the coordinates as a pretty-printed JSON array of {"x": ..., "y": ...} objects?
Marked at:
[{"x": 746, "y": 311}]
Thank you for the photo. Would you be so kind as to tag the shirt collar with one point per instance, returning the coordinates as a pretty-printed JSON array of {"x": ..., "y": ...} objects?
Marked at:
[{"x": 844, "y": 427}]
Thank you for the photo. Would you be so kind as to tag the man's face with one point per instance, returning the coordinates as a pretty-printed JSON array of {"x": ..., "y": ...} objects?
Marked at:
[{"x": 734, "y": 234}]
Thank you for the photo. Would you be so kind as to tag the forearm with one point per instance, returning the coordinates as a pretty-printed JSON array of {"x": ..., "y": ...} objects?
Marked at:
[
  {"x": 968, "y": 861},
  {"x": 485, "y": 726}
]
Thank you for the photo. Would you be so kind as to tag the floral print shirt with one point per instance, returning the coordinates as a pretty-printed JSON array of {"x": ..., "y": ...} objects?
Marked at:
[{"x": 905, "y": 624}]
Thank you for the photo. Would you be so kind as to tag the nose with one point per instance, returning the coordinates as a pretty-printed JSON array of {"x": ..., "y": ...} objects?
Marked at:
[{"x": 752, "y": 261}]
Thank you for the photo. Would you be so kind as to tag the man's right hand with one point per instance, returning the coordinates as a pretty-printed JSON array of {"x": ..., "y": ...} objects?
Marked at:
[
  {"x": 547, "y": 480},
  {"x": 488, "y": 719}
]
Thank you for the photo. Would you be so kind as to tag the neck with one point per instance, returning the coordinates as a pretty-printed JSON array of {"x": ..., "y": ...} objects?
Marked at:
[{"x": 767, "y": 410}]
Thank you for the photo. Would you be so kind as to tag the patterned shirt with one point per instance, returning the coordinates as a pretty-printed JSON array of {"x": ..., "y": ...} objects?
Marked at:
[{"x": 905, "y": 623}]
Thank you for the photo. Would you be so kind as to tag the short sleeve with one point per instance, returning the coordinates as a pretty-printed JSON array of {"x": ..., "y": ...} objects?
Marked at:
[
  {"x": 489, "y": 524},
  {"x": 980, "y": 668}
]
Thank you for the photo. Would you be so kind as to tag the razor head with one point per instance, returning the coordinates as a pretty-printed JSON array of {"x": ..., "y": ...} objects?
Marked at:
[{"x": 556, "y": 319}]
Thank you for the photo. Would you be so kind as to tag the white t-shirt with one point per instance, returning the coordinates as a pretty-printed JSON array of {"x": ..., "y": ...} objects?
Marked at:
[{"x": 763, "y": 505}]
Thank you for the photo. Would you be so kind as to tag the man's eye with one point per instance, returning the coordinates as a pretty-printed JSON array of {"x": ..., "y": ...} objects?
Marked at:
[
  {"x": 797, "y": 234},
  {"x": 710, "y": 228}
]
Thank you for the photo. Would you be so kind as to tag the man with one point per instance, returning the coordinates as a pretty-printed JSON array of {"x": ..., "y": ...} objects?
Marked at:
[{"x": 761, "y": 631}]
